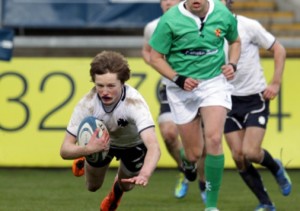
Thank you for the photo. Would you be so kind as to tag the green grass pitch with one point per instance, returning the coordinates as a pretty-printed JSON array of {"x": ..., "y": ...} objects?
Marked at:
[{"x": 59, "y": 190}]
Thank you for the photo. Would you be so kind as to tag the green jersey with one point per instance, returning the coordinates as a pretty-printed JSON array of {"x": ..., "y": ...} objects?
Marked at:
[{"x": 194, "y": 47}]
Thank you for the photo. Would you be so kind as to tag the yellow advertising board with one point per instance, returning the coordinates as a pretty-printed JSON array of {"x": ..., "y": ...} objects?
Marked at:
[{"x": 37, "y": 96}]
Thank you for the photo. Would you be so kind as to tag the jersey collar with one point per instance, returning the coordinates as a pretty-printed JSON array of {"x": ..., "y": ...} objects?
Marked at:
[{"x": 187, "y": 13}]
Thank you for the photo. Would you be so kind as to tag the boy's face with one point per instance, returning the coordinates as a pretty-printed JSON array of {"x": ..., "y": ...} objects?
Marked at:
[{"x": 109, "y": 88}]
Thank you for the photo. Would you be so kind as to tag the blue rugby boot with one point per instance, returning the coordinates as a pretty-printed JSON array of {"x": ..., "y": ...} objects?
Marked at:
[
  {"x": 265, "y": 207},
  {"x": 181, "y": 186},
  {"x": 283, "y": 179}
]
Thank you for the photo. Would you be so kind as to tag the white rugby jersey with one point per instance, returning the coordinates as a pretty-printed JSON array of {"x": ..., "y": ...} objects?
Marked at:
[
  {"x": 130, "y": 116},
  {"x": 249, "y": 77},
  {"x": 149, "y": 29}
]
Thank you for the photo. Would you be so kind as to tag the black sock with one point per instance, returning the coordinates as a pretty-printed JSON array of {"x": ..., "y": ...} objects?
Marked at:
[
  {"x": 118, "y": 191},
  {"x": 270, "y": 163},
  {"x": 253, "y": 180},
  {"x": 180, "y": 169},
  {"x": 201, "y": 185}
]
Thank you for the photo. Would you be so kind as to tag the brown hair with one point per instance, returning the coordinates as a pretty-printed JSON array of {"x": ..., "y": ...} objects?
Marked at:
[{"x": 110, "y": 62}]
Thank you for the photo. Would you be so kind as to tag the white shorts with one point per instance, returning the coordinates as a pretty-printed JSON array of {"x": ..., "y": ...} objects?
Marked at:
[{"x": 185, "y": 104}]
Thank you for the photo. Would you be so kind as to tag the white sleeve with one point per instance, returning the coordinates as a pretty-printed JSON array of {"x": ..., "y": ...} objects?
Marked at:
[
  {"x": 261, "y": 36},
  {"x": 149, "y": 29},
  {"x": 147, "y": 33},
  {"x": 80, "y": 111},
  {"x": 140, "y": 113}
]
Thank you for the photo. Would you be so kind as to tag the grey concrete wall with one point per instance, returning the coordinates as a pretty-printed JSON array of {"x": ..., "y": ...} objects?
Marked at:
[{"x": 89, "y": 46}]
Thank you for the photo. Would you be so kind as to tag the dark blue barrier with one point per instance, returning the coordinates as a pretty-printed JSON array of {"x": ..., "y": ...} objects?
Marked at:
[
  {"x": 78, "y": 13},
  {"x": 6, "y": 44}
]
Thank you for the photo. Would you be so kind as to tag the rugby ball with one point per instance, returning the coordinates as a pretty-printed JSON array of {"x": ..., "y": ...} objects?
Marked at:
[{"x": 86, "y": 129}]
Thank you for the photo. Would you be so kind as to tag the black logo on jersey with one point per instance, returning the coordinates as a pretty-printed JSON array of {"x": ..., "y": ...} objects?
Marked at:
[{"x": 122, "y": 122}]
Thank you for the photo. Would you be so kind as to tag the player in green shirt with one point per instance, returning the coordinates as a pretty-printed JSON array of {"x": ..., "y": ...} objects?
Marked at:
[{"x": 187, "y": 48}]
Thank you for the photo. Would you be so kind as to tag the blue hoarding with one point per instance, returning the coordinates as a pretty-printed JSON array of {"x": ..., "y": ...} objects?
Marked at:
[{"x": 79, "y": 13}]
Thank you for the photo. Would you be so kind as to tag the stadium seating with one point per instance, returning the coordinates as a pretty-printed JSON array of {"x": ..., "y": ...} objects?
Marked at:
[{"x": 283, "y": 24}]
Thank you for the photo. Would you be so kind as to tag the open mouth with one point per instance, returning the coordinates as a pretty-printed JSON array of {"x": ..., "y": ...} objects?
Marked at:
[{"x": 106, "y": 99}]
